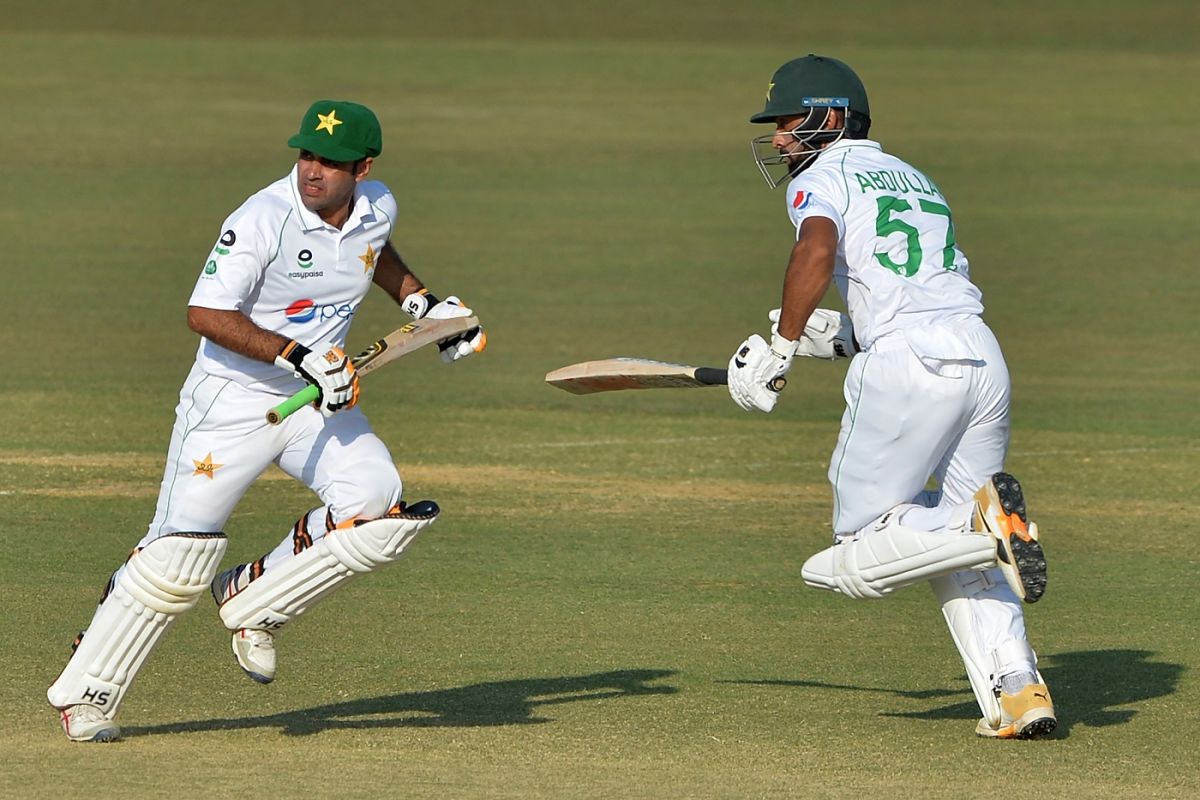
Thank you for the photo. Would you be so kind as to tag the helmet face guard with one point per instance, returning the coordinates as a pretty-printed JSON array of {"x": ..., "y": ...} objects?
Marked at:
[{"x": 805, "y": 141}]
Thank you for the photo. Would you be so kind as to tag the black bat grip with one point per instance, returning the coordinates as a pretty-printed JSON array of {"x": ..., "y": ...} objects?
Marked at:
[{"x": 712, "y": 376}]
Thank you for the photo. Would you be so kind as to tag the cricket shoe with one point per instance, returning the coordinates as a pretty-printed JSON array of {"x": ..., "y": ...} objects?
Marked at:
[
  {"x": 1028, "y": 714},
  {"x": 255, "y": 653},
  {"x": 86, "y": 723},
  {"x": 1000, "y": 513}
]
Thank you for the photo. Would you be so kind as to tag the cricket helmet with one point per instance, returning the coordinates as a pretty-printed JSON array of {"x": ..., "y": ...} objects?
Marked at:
[{"x": 810, "y": 87}]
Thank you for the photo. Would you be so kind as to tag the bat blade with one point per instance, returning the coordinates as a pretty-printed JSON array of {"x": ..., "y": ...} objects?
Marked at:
[
  {"x": 413, "y": 336},
  {"x": 616, "y": 374},
  {"x": 399, "y": 342}
]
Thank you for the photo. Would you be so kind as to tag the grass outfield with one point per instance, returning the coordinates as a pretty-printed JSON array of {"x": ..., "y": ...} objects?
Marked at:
[{"x": 611, "y": 605}]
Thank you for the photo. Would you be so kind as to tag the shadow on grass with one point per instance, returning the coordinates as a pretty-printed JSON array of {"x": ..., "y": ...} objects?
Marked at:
[
  {"x": 478, "y": 705},
  {"x": 1089, "y": 688}
]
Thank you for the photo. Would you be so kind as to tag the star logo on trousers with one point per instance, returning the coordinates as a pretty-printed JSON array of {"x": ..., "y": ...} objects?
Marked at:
[{"x": 206, "y": 467}]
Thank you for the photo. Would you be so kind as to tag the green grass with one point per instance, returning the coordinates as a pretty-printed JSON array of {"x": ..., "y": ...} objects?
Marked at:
[{"x": 611, "y": 605}]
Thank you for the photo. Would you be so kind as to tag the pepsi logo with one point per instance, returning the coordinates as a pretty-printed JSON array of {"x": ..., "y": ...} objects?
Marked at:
[
  {"x": 306, "y": 310},
  {"x": 301, "y": 311}
]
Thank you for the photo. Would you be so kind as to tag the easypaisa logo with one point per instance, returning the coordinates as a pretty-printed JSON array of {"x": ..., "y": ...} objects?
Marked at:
[
  {"x": 304, "y": 260},
  {"x": 307, "y": 310}
]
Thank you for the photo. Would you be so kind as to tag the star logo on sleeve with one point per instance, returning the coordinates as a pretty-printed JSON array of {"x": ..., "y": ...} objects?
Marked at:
[
  {"x": 206, "y": 467},
  {"x": 368, "y": 259},
  {"x": 328, "y": 121}
]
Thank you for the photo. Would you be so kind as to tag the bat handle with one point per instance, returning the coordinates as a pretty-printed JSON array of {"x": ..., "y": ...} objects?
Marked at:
[
  {"x": 711, "y": 376},
  {"x": 279, "y": 413}
]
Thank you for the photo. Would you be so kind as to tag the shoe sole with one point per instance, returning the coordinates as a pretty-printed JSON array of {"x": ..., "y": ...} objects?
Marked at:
[
  {"x": 106, "y": 735},
  {"x": 1017, "y": 547},
  {"x": 259, "y": 678},
  {"x": 1036, "y": 728}
]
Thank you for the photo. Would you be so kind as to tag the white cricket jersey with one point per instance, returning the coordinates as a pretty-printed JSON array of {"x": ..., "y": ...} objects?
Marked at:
[
  {"x": 898, "y": 268},
  {"x": 291, "y": 273}
]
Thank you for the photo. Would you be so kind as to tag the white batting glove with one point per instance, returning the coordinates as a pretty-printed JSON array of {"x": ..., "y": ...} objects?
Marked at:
[
  {"x": 827, "y": 334},
  {"x": 756, "y": 371},
  {"x": 327, "y": 368},
  {"x": 423, "y": 305}
]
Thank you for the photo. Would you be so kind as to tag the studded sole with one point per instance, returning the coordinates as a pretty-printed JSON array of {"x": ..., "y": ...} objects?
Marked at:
[
  {"x": 1028, "y": 557},
  {"x": 1043, "y": 726}
]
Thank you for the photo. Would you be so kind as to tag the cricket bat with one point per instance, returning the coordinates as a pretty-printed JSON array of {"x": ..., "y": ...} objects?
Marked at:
[
  {"x": 399, "y": 342},
  {"x": 613, "y": 374}
]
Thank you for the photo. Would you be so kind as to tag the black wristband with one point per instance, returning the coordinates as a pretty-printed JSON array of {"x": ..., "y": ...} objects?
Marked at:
[{"x": 293, "y": 352}]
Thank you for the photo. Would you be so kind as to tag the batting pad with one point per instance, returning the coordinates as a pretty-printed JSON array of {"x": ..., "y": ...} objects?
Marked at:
[
  {"x": 157, "y": 584},
  {"x": 287, "y": 590},
  {"x": 885, "y": 560}
]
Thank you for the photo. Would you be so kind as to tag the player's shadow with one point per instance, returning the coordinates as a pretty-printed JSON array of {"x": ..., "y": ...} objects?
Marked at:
[
  {"x": 1089, "y": 687},
  {"x": 514, "y": 702}
]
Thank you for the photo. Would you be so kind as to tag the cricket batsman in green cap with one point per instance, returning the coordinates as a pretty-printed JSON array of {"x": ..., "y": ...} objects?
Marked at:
[{"x": 273, "y": 305}]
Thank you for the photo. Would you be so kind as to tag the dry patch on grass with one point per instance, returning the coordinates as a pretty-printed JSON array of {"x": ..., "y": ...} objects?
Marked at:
[{"x": 502, "y": 490}]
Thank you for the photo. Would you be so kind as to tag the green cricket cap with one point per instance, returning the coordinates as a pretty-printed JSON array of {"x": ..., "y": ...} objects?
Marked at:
[
  {"x": 803, "y": 83},
  {"x": 340, "y": 131}
]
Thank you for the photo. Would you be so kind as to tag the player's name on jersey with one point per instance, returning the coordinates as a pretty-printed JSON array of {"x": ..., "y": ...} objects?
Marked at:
[{"x": 888, "y": 180}]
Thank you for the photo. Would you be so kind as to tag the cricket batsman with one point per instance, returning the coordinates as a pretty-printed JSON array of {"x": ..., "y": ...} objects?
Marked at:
[
  {"x": 927, "y": 392},
  {"x": 273, "y": 304}
]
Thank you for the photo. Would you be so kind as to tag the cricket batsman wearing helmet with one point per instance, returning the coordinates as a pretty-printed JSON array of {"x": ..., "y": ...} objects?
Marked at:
[
  {"x": 927, "y": 391},
  {"x": 273, "y": 305}
]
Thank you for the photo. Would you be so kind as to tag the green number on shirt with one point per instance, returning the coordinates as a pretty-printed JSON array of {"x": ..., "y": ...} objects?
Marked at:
[{"x": 887, "y": 222}]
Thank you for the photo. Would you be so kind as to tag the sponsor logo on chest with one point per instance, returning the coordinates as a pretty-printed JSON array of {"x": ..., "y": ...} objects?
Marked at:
[
  {"x": 307, "y": 310},
  {"x": 304, "y": 262}
]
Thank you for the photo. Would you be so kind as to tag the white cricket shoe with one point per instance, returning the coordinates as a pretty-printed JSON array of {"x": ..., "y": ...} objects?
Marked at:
[
  {"x": 255, "y": 653},
  {"x": 1028, "y": 714},
  {"x": 1000, "y": 513},
  {"x": 86, "y": 723}
]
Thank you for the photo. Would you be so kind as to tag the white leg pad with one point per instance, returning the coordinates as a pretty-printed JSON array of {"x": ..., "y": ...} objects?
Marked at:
[
  {"x": 880, "y": 561},
  {"x": 157, "y": 584},
  {"x": 287, "y": 590},
  {"x": 954, "y": 592}
]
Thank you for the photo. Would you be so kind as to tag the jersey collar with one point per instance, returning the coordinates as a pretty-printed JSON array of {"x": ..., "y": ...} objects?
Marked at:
[{"x": 846, "y": 144}]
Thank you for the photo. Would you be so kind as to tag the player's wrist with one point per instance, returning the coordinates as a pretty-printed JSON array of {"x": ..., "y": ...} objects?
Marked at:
[
  {"x": 782, "y": 347},
  {"x": 418, "y": 303},
  {"x": 292, "y": 356}
]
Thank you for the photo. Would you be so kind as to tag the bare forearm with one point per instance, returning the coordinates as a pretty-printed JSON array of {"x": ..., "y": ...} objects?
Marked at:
[
  {"x": 234, "y": 331},
  {"x": 809, "y": 273},
  {"x": 393, "y": 275}
]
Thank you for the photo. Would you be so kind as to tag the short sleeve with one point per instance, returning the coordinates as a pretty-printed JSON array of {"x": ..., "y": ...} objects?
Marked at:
[
  {"x": 235, "y": 266},
  {"x": 811, "y": 198}
]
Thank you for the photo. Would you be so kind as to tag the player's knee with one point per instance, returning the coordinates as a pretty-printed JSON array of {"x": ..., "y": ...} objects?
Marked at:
[{"x": 370, "y": 491}]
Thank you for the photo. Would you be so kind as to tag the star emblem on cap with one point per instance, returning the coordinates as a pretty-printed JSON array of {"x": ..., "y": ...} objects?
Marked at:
[
  {"x": 368, "y": 258},
  {"x": 328, "y": 121},
  {"x": 206, "y": 467}
]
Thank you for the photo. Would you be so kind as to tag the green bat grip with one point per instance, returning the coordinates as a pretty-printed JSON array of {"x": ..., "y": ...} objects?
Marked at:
[{"x": 299, "y": 400}]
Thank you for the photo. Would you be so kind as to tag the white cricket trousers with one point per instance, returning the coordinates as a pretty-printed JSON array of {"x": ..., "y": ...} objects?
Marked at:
[
  {"x": 904, "y": 424},
  {"x": 222, "y": 442}
]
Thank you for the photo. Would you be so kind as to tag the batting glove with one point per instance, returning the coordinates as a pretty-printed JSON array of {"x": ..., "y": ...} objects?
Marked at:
[
  {"x": 756, "y": 372},
  {"x": 473, "y": 341},
  {"x": 328, "y": 369},
  {"x": 827, "y": 334}
]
